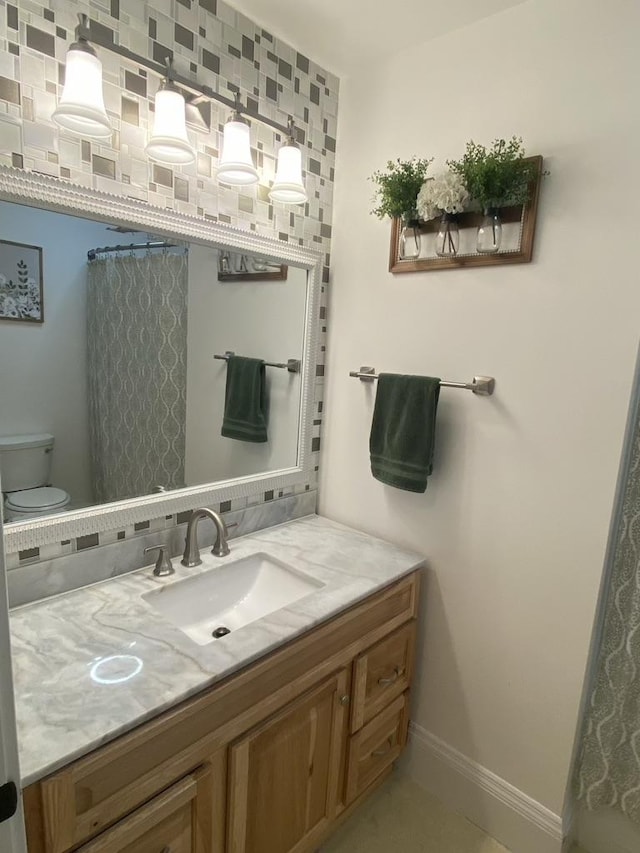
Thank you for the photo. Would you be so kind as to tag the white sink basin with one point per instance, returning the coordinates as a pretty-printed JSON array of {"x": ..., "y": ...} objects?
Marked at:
[{"x": 230, "y": 596}]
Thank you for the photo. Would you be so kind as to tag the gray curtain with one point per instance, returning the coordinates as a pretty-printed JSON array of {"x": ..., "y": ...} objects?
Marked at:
[
  {"x": 137, "y": 355},
  {"x": 608, "y": 769}
]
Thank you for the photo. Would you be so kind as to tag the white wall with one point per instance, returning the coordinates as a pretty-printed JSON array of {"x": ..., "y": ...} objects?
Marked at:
[
  {"x": 260, "y": 320},
  {"x": 43, "y": 383},
  {"x": 515, "y": 518}
]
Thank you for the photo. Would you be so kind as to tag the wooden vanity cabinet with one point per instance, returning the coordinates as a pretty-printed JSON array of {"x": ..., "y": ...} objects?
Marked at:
[{"x": 264, "y": 762}]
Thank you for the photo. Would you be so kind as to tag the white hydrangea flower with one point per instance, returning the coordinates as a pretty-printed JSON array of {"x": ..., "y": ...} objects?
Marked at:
[
  {"x": 424, "y": 204},
  {"x": 446, "y": 193}
]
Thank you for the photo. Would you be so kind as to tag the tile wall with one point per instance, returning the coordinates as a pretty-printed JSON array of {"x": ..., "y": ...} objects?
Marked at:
[{"x": 221, "y": 48}]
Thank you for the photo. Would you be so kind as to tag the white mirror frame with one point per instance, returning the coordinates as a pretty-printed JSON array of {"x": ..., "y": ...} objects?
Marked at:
[{"x": 54, "y": 194}]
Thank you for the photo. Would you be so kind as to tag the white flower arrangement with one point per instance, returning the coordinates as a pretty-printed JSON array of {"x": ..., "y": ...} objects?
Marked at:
[{"x": 446, "y": 193}]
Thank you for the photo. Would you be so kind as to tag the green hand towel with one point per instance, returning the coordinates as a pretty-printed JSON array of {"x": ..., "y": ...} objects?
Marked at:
[
  {"x": 245, "y": 416},
  {"x": 403, "y": 430}
]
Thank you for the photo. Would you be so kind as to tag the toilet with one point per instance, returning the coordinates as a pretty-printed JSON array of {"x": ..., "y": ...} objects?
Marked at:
[{"x": 25, "y": 471}]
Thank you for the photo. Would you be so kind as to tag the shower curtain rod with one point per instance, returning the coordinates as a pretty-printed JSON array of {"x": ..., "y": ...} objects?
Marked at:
[{"x": 156, "y": 244}]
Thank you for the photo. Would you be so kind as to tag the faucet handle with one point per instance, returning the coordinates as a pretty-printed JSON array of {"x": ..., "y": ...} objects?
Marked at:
[{"x": 163, "y": 565}]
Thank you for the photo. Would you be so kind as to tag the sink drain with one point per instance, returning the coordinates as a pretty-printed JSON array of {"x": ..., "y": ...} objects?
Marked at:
[{"x": 222, "y": 631}]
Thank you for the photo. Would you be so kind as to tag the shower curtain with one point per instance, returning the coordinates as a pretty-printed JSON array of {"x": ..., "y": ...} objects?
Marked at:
[
  {"x": 608, "y": 768},
  {"x": 137, "y": 356}
]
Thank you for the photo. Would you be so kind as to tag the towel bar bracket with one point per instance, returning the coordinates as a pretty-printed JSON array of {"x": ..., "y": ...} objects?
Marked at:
[
  {"x": 483, "y": 386},
  {"x": 365, "y": 374}
]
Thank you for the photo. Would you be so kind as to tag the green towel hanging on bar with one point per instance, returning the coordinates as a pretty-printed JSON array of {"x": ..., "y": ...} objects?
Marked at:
[
  {"x": 403, "y": 430},
  {"x": 245, "y": 416}
]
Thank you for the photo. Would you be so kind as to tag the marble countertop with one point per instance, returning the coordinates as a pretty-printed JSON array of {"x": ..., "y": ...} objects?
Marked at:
[{"x": 93, "y": 663}]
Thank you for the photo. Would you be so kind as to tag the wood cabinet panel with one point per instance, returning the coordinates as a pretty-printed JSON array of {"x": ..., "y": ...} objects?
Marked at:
[
  {"x": 284, "y": 775},
  {"x": 376, "y": 746},
  {"x": 382, "y": 673}
]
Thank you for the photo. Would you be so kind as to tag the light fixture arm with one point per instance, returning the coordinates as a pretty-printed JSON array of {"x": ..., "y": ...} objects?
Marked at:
[
  {"x": 83, "y": 35},
  {"x": 169, "y": 70},
  {"x": 238, "y": 105},
  {"x": 291, "y": 132},
  {"x": 83, "y": 29}
]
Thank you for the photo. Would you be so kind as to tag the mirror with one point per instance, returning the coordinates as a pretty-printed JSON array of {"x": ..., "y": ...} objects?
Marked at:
[{"x": 128, "y": 358}]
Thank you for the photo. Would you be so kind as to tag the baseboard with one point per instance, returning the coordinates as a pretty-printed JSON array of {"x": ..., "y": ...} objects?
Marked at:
[{"x": 510, "y": 816}]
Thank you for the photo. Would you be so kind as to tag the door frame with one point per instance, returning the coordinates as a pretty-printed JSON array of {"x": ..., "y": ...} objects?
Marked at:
[{"x": 12, "y": 833}]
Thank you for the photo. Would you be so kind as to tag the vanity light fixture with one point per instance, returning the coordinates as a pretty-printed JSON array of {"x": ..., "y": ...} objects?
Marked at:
[
  {"x": 236, "y": 161},
  {"x": 169, "y": 142},
  {"x": 288, "y": 187},
  {"x": 81, "y": 107}
]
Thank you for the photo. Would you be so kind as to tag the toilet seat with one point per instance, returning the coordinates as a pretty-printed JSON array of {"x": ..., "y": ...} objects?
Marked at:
[{"x": 40, "y": 500}]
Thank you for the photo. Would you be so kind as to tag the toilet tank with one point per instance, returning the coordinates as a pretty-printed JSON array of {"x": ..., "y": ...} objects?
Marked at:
[{"x": 25, "y": 461}]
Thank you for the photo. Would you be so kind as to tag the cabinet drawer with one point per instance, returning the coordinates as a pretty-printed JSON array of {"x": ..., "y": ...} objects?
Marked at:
[
  {"x": 382, "y": 673},
  {"x": 376, "y": 746},
  {"x": 167, "y": 823}
]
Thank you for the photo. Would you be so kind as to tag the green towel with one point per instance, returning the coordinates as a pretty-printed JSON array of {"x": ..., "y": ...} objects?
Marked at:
[
  {"x": 403, "y": 430},
  {"x": 245, "y": 415}
]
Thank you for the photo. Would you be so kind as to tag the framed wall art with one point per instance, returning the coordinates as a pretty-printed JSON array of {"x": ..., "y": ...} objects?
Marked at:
[{"x": 21, "y": 285}]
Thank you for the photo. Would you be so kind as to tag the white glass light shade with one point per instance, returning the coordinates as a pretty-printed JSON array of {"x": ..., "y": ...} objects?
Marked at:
[
  {"x": 169, "y": 142},
  {"x": 236, "y": 164},
  {"x": 288, "y": 187},
  {"x": 81, "y": 106}
]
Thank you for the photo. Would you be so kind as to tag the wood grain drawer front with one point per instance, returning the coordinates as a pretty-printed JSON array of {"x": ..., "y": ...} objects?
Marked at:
[
  {"x": 376, "y": 746},
  {"x": 382, "y": 673},
  {"x": 284, "y": 775},
  {"x": 165, "y": 825}
]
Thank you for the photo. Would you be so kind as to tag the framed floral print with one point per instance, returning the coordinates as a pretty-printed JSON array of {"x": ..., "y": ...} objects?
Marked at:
[{"x": 21, "y": 289}]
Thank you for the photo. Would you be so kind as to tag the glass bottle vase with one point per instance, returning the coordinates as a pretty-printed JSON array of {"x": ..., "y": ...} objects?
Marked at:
[
  {"x": 410, "y": 239},
  {"x": 448, "y": 238},
  {"x": 489, "y": 232}
]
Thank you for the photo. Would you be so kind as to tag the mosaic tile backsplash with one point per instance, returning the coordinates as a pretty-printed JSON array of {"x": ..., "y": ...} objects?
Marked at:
[{"x": 219, "y": 47}]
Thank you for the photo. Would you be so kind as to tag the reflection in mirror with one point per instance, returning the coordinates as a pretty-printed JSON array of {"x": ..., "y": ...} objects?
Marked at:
[
  {"x": 117, "y": 393},
  {"x": 239, "y": 266}
]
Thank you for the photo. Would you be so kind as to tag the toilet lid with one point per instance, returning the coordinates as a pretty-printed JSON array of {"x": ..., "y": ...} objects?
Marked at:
[{"x": 47, "y": 497}]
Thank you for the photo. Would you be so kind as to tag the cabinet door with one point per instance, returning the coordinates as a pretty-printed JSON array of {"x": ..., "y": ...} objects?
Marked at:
[{"x": 284, "y": 775}]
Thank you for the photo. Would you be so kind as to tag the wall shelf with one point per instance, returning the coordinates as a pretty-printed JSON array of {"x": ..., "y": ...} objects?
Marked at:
[{"x": 520, "y": 221}]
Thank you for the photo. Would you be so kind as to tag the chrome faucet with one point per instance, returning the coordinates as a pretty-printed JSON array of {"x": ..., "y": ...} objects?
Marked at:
[{"x": 191, "y": 556}]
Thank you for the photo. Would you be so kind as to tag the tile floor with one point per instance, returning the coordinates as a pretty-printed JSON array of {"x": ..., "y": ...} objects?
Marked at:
[{"x": 401, "y": 816}]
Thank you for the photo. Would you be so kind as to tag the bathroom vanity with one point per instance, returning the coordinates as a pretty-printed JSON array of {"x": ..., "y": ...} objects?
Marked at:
[
  {"x": 143, "y": 727},
  {"x": 260, "y": 741}
]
